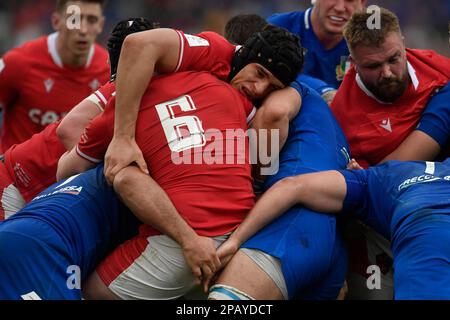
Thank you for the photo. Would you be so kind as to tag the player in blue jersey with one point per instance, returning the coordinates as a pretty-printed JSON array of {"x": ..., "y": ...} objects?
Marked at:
[
  {"x": 407, "y": 202},
  {"x": 300, "y": 255},
  {"x": 321, "y": 32},
  {"x": 240, "y": 27},
  {"x": 55, "y": 242}
]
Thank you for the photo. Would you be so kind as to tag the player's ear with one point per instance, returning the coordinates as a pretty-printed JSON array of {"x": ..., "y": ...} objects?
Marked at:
[{"x": 56, "y": 21}]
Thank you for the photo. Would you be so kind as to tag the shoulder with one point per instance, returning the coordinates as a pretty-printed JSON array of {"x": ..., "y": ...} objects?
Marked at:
[{"x": 286, "y": 17}]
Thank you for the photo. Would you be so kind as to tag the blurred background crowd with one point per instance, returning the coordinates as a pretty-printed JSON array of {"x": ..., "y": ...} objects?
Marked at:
[{"x": 425, "y": 24}]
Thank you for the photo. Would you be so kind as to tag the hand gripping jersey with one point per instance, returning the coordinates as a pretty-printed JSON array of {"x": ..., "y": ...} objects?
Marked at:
[
  {"x": 190, "y": 129},
  {"x": 326, "y": 65},
  {"x": 409, "y": 203},
  {"x": 36, "y": 89},
  {"x": 374, "y": 129},
  {"x": 32, "y": 164}
]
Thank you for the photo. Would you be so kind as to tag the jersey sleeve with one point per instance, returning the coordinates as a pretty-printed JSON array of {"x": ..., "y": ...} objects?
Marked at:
[
  {"x": 11, "y": 75},
  {"x": 97, "y": 135},
  {"x": 317, "y": 85},
  {"x": 101, "y": 97},
  {"x": 356, "y": 199},
  {"x": 206, "y": 51},
  {"x": 435, "y": 120}
]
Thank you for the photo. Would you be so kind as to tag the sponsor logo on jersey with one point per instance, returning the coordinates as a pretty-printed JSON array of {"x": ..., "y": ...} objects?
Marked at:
[
  {"x": 73, "y": 190},
  {"x": 386, "y": 124},
  {"x": 44, "y": 118},
  {"x": 195, "y": 41},
  {"x": 48, "y": 85},
  {"x": 419, "y": 179},
  {"x": 94, "y": 85}
]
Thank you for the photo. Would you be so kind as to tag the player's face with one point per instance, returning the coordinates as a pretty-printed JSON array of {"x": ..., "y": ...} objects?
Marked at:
[
  {"x": 383, "y": 70},
  {"x": 256, "y": 82},
  {"x": 333, "y": 14},
  {"x": 79, "y": 31}
]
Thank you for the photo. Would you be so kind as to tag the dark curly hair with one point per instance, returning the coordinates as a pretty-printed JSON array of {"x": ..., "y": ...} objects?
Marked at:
[{"x": 276, "y": 49}]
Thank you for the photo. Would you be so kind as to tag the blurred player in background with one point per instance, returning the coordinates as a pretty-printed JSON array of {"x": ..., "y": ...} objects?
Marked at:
[
  {"x": 320, "y": 31},
  {"x": 43, "y": 79},
  {"x": 240, "y": 27},
  {"x": 30, "y": 167}
]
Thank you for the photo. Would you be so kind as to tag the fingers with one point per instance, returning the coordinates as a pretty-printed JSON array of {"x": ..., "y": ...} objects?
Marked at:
[
  {"x": 206, "y": 283},
  {"x": 110, "y": 174},
  {"x": 142, "y": 165},
  {"x": 197, "y": 274}
]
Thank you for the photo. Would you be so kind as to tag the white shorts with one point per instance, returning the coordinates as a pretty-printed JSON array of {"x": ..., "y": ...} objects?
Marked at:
[
  {"x": 11, "y": 201},
  {"x": 149, "y": 268}
]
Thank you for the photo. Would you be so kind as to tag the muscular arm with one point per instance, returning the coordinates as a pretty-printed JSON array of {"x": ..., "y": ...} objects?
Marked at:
[
  {"x": 73, "y": 124},
  {"x": 433, "y": 131},
  {"x": 277, "y": 110},
  {"x": 322, "y": 191},
  {"x": 142, "y": 54},
  {"x": 417, "y": 146},
  {"x": 150, "y": 203},
  {"x": 71, "y": 163}
]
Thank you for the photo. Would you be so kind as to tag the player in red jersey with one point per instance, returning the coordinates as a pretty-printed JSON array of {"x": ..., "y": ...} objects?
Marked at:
[
  {"x": 177, "y": 114},
  {"x": 30, "y": 167},
  {"x": 43, "y": 79},
  {"x": 165, "y": 51},
  {"x": 389, "y": 108}
]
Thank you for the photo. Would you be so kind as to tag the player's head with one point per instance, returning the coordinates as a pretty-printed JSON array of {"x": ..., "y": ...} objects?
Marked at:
[
  {"x": 331, "y": 15},
  {"x": 269, "y": 60},
  {"x": 379, "y": 54},
  {"x": 118, "y": 35},
  {"x": 78, "y": 23},
  {"x": 240, "y": 27}
]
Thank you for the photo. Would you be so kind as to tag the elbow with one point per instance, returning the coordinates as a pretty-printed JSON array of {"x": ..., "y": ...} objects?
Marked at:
[
  {"x": 60, "y": 174},
  {"x": 62, "y": 132}
]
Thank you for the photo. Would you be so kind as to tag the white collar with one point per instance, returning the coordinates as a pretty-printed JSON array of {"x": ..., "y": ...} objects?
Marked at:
[
  {"x": 51, "y": 43},
  {"x": 412, "y": 75},
  {"x": 307, "y": 15}
]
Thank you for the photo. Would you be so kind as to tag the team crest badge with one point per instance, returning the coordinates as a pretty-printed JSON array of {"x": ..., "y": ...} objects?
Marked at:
[
  {"x": 95, "y": 84},
  {"x": 48, "y": 85},
  {"x": 342, "y": 68}
]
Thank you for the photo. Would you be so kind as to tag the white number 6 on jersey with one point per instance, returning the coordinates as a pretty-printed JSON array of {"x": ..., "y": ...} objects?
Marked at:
[{"x": 184, "y": 132}]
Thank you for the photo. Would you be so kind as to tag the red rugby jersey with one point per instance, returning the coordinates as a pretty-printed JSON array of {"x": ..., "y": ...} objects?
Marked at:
[
  {"x": 375, "y": 129},
  {"x": 32, "y": 164},
  {"x": 36, "y": 89},
  {"x": 182, "y": 113}
]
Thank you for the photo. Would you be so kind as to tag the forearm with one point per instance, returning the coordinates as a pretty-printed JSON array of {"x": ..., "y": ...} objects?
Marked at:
[
  {"x": 142, "y": 54},
  {"x": 272, "y": 204},
  {"x": 135, "y": 69},
  {"x": 73, "y": 124},
  {"x": 322, "y": 191},
  {"x": 71, "y": 163},
  {"x": 150, "y": 203},
  {"x": 418, "y": 146}
]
